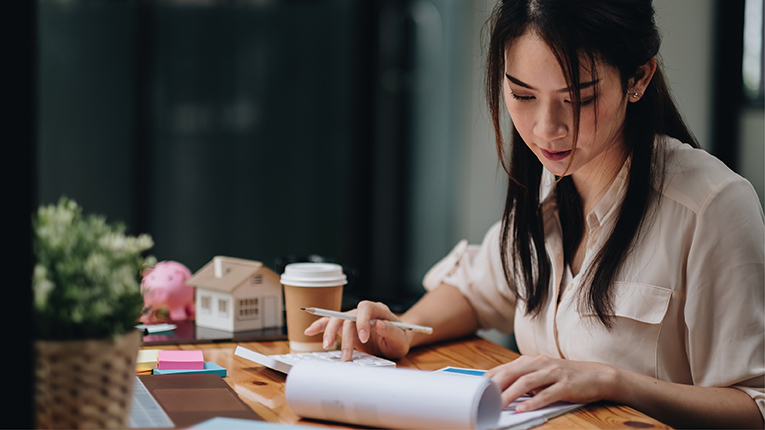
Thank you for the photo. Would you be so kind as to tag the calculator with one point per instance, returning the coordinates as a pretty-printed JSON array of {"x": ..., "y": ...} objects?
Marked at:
[{"x": 284, "y": 362}]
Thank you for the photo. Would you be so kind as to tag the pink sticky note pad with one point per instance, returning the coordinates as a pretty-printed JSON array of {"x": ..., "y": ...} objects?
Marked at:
[{"x": 180, "y": 360}]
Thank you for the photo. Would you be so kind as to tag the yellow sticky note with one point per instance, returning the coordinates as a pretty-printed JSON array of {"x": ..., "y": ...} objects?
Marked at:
[{"x": 147, "y": 359}]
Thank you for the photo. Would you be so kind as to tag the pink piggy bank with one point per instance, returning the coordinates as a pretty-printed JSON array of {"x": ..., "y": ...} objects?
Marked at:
[{"x": 165, "y": 286}]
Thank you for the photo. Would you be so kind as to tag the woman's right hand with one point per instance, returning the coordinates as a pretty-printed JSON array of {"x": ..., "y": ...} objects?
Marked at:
[{"x": 381, "y": 338}]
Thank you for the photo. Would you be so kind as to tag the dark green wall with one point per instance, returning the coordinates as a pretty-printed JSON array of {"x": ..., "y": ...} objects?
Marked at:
[
  {"x": 85, "y": 105},
  {"x": 252, "y": 112}
]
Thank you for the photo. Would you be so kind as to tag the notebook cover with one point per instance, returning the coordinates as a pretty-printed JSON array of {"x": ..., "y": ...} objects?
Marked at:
[{"x": 192, "y": 398}]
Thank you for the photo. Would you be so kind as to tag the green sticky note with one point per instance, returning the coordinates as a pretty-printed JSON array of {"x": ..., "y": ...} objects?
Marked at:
[{"x": 147, "y": 359}]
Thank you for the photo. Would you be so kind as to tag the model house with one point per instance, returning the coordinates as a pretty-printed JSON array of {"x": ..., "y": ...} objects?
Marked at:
[{"x": 235, "y": 295}]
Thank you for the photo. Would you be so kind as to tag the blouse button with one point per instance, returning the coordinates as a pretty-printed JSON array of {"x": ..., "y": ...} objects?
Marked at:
[{"x": 570, "y": 286}]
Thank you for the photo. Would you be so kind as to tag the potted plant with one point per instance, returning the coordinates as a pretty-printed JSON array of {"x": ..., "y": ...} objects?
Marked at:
[{"x": 87, "y": 301}]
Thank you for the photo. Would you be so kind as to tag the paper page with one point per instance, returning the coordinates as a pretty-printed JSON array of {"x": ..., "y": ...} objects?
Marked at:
[
  {"x": 391, "y": 397},
  {"x": 156, "y": 328},
  {"x": 219, "y": 423},
  {"x": 509, "y": 419}
]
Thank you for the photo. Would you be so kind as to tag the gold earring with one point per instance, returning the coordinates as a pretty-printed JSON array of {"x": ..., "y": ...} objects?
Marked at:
[{"x": 635, "y": 95}]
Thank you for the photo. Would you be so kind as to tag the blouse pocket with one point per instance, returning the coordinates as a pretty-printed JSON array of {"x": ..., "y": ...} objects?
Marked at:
[
  {"x": 641, "y": 302},
  {"x": 633, "y": 341}
]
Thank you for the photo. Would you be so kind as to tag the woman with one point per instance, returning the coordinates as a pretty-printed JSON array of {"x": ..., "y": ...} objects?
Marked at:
[{"x": 628, "y": 264}]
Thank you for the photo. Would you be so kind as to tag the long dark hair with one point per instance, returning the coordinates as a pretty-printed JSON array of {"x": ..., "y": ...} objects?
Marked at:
[{"x": 619, "y": 33}]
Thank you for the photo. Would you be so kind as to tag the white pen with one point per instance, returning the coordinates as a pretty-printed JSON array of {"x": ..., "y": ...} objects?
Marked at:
[{"x": 352, "y": 317}]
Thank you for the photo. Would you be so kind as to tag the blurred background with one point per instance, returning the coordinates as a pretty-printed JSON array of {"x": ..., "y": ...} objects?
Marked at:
[
  {"x": 349, "y": 130},
  {"x": 353, "y": 130}
]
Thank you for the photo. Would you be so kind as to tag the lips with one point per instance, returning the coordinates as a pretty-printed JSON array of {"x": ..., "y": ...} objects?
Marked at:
[{"x": 555, "y": 155}]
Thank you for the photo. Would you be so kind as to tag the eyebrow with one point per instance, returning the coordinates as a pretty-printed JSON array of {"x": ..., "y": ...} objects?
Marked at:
[{"x": 582, "y": 85}]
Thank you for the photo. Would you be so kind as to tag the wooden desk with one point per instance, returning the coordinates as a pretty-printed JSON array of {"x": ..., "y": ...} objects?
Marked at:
[{"x": 263, "y": 389}]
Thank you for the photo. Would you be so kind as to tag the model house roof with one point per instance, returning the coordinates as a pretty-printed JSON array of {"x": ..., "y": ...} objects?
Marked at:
[{"x": 226, "y": 274}]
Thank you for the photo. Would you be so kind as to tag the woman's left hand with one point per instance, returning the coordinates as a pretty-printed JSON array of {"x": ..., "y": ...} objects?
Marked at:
[{"x": 551, "y": 380}]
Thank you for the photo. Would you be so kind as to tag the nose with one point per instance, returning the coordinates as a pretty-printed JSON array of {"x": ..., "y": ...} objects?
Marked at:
[{"x": 551, "y": 122}]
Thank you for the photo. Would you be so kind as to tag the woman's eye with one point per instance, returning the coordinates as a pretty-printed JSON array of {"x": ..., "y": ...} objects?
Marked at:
[
  {"x": 521, "y": 98},
  {"x": 584, "y": 102}
]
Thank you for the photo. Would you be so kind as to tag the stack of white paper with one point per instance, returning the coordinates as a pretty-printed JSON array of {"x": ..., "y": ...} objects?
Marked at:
[{"x": 392, "y": 398}]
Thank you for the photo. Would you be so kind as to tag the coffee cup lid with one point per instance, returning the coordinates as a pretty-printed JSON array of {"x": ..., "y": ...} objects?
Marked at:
[{"x": 313, "y": 275}]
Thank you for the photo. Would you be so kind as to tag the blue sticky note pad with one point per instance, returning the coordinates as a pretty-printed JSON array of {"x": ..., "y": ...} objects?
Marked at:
[
  {"x": 210, "y": 367},
  {"x": 462, "y": 371}
]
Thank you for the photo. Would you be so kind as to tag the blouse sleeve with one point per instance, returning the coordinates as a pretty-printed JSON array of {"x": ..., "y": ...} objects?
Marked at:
[
  {"x": 477, "y": 272},
  {"x": 725, "y": 303}
]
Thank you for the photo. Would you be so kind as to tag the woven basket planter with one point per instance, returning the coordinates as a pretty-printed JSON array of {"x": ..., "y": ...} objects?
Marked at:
[{"x": 85, "y": 383}]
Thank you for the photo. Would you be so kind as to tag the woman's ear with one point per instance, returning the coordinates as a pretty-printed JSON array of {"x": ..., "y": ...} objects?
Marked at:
[{"x": 640, "y": 81}]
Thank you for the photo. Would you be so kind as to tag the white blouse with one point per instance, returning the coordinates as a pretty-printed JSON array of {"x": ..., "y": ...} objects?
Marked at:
[{"x": 689, "y": 301}]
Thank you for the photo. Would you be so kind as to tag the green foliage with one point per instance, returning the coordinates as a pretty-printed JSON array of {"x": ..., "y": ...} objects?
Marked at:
[{"x": 86, "y": 277}]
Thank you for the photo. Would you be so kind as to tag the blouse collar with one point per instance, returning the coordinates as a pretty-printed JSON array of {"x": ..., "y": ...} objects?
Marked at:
[{"x": 607, "y": 205}]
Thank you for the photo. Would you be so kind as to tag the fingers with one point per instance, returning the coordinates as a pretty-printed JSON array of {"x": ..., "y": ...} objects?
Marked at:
[
  {"x": 316, "y": 327},
  {"x": 334, "y": 327},
  {"x": 393, "y": 342},
  {"x": 551, "y": 380},
  {"x": 531, "y": 382},
  {"x": 542, "y": 398},
  {"x": 389, "y": 340},
  {"x": 367, "y": 311},
  {"x": 329, "y": 326},
  {"x": 350, "y": 338},
  {"x": 540, "y": 375},
  {"x": 359, "y": 332}
]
